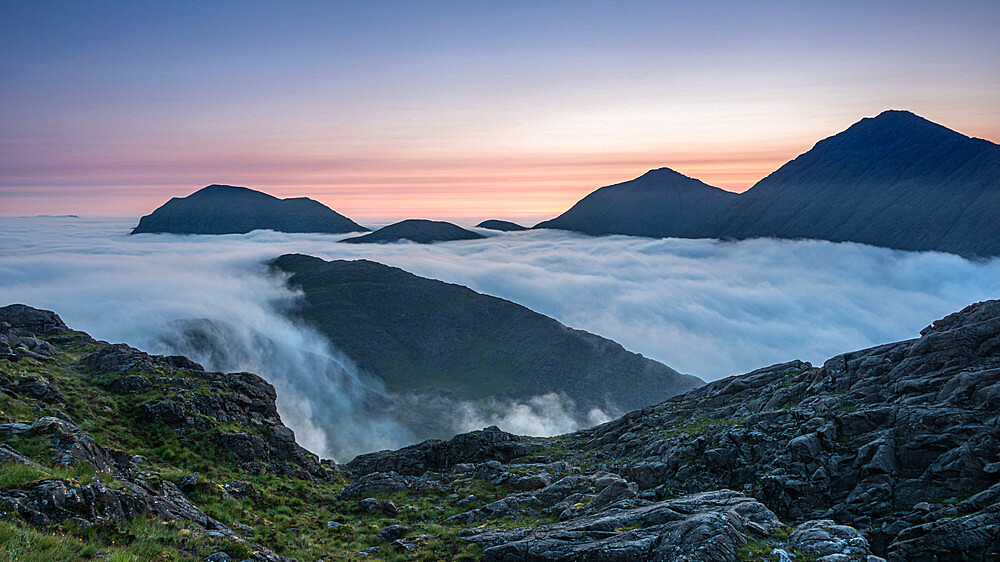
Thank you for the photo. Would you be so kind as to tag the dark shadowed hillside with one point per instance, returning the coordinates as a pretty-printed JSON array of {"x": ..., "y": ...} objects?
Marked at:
[
  {"x": 420, "y": 334},
  {"x": 895, "y": 180},
  {"x": 226, "y": 209}
]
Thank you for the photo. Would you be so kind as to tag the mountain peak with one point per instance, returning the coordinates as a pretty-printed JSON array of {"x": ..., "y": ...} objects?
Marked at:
[
  {"x": 665, "y": 178},
  {"x": 898, "y": 114},
  {"x": 222, "y": 190},
  {"x": 664, "y": 172},
  {"x": 895, "y": 126}
]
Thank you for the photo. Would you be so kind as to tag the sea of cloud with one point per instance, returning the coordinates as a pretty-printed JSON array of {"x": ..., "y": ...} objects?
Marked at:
[{"x": 703, "y": 307}]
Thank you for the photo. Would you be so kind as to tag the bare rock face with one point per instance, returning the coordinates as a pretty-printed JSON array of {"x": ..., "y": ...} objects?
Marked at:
[
  {"x": 120, "y": 357},
  {"x": 69, "y": 445},
  {"x": 972, "y": 537},
  {"x": 19, "y": 325},
  {"x": 709, "y": 527},
  {"x": 479, "y": 446},
  {"x": 823, "y": 537},
  {"x": 52, "y": 501},
  {"x": 32, "y": 320}
]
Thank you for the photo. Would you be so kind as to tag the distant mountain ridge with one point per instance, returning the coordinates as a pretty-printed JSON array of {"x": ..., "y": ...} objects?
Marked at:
[
  {"x": 227, "y": 209},
  {"x": 895, "y": 180}
]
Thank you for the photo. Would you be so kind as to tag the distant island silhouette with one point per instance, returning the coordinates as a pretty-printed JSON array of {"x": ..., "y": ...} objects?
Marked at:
[{"x": 227, "y": 209}]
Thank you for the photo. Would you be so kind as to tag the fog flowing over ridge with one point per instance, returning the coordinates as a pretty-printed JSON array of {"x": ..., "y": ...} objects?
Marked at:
[{"x": 704, "y": 307}]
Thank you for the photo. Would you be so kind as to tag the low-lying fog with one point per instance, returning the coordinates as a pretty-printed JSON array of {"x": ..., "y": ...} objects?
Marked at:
[{"x": 703, "y": 307}]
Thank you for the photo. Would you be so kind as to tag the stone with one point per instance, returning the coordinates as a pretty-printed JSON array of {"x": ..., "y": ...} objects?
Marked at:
[
  {"x": 976, "y": 536},
  {"x": 823, "y": 537},
  {"x": 190, "y": 482},
  {"x": 533, "y": 482},
  {"x": 39, "y": 390},
  {"x": 393, "y": 532},
  {"x": 405, "y": 545},
  {"x": 32, "y": 319},
  {"x": 478, "y": 446}
]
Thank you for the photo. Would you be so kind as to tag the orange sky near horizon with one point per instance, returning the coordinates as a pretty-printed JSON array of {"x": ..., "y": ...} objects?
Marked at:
[
  {"x": 507, "y": 188},
  {"x": 524, "y": 187}
]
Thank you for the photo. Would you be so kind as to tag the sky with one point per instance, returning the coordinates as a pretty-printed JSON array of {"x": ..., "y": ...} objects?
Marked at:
[{"x": 386, "y": 110}]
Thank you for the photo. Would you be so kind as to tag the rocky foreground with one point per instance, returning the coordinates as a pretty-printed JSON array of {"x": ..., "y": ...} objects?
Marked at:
[{"x": 888, "y": 452}]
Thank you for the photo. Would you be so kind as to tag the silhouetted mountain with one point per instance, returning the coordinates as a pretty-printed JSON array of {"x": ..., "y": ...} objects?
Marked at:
[
  {"x": 658, "y": 203},
  {"x": 417, "y": 230},
  {"x": 420, "y": 334},
  {"x": 896, "y": 180},
  {"x": 506, "y": 226},
  {"x": 227, "y": 209}
]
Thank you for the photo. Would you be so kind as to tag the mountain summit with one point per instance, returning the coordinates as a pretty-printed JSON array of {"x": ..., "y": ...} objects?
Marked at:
[
  {"x": 660, "y": 202},
  {"x": 228, "y": 209},
  {"x": 895, "y": 180}
]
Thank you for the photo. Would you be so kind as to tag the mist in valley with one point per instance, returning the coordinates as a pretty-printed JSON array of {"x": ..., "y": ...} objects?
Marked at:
[{"x": 703, "y": 307}]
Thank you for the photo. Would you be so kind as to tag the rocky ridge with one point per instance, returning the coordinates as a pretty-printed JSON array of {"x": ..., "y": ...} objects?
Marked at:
[{"x": 900, "y": 442}]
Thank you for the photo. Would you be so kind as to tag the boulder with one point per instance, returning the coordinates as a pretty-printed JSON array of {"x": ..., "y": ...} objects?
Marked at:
[
  {"x": 478, "y": 446},
  {"x": 823, "y": 537}
]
